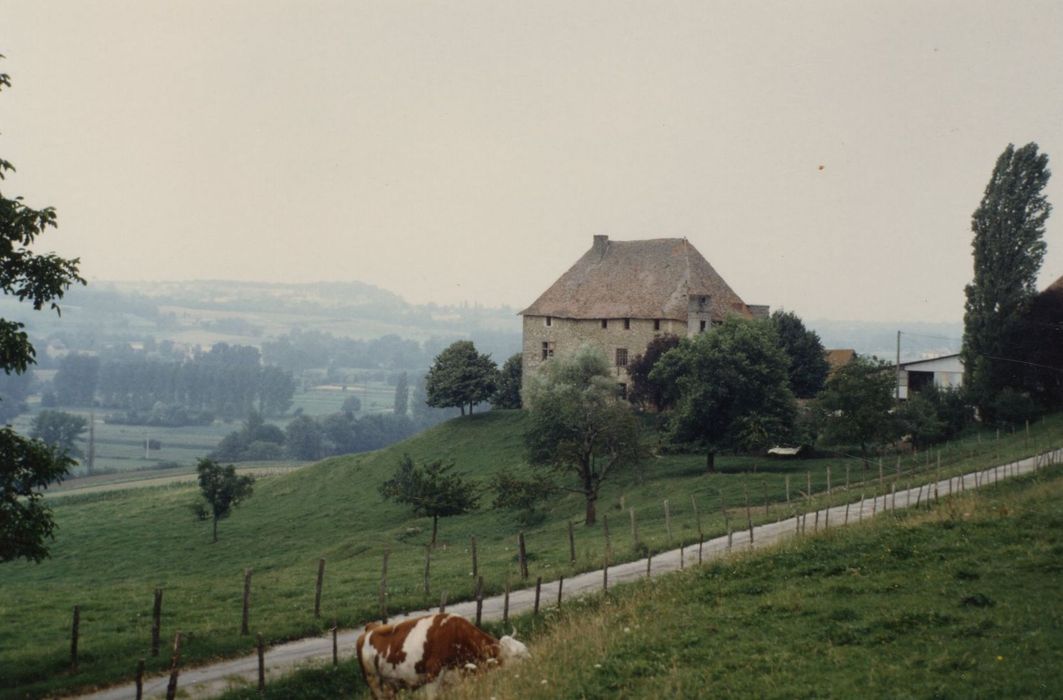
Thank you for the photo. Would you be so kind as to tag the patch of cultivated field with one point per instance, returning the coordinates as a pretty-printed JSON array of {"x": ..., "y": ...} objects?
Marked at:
[{"x": 114, "y": 548}]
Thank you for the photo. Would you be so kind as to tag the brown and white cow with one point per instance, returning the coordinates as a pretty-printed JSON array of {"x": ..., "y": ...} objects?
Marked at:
[{"x": 420, "y": 651}]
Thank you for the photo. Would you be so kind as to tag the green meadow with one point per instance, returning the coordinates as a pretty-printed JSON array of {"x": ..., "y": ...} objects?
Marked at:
[{"x": 114, "y": 548}]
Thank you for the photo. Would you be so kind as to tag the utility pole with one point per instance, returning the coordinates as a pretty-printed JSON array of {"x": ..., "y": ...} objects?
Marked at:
[{"x": 898, "y": 398}]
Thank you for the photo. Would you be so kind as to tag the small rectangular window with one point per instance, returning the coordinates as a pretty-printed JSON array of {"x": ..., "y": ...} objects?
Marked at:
[
  {"x": 656, "y": 324},
  {"x": 702, "y": 326},
  {"x": 549, "y": 321},
  {"x": 548, "y": 350},
  {"x": 621, "y": 357},
  {"x": 627, "y": 324},
  {"x": 605, "y": 323}
]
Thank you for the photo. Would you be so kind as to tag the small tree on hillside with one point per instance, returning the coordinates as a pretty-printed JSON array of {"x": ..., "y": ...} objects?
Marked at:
[
  {"x": 808, "y": 364},
  {"x": 507, "y": 395},
  {"x": 222, "y": 490},
  {"x": 521, "y": 495},
  {"x": 578, "y": 425},
  {"x": 856, "y": 404},
  {"x": 644, "y": 389},
  {"x": 460, "y": 377},
  {"x": 1009, "y": 247},
  {"x": 433, "y": 490},
  {"x": 733, "y": 388}
]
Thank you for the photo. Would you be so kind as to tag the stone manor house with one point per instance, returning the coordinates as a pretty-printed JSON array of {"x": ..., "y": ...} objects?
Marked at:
[{"x": 621, "y": 294}]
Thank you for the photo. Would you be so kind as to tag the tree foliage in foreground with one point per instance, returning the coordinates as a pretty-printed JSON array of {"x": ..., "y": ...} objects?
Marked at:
[
  {"x": 733, "y": 387},
  {"x": 26, "y": 466},
  {"x": 1009, "y": 248},
  {"x": 222, "y": 490},
  {"x": 578, "y": 425},
  {"x": 432, "y": 490}
]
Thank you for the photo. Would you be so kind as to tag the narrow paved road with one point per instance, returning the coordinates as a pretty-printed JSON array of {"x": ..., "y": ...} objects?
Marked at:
[{"x": 206, "y": 681}]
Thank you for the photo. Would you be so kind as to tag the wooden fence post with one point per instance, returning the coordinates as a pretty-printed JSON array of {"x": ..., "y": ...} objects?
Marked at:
[
  {"x": 697, "y": 517},
  {"x": 427, "y": 570},
  {"x": 605, "y": 531},
  {"x": 538, "y": 592},
  {"x": 317, "y": 588},
  {"x": 479, "y": 599},
  {"x": 335, "y": 644},
  {"x": 571, "y": 544},
  {"x": 560, "y": 585},
  {"x": 634, "y": 526},
  {"x": 826, "y": 516},
  {"x": 383, "y": 593},
  {"x": 523, "y": 554},
  {"x": 443, "y": 601},
  {"x": 475, "y": 563},
  {"x": 649, "y": 563},
  {"x": 668, "y": 521},
  {"x": 764, "y": 492},
  {"x": 139, "y": 680},
  {"x": 261, "y": 648},
  {"x": 505, "y": 605},
  {"x": 787, "y": 491},
  {"x": 749, "y": 513},
  {"x": 247, "y": 603},
  {"x": 74, "y": 629},
  {"x": 175, "y": 660},
  {"x": 156, "y": 622},
  {"x": 808, "y": 500}
]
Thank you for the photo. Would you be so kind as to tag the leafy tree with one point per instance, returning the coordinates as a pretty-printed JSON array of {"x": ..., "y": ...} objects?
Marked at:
[
  {"x": 644, "y": 389},
  {"x": 14, "y": 390},
  {"x": 60, "y": 430},
  {"x": 1008, "y": 247},
  {"x": 952, "y": 408},
  {"x": 432, "y": 490},
  {"x": 808, "y": 364},
  {"x": 507, "y": 395},
  {"x": 276, "y": 387},
  {"x": 919, "y": 417},
  {"x": 351, "y": 404},
  {"x": 578, "y": 425},
  {"x": 26, "y": 466},
  {"x": 733, "y": 387},
  {"x": 460, "y": 377},
  {"x": 521, "y": 495},
  {"x": 236, "y": 446},
  {"x": 222, "y": 490},
  {"x": 402, "y": 395},
  {"x": 1041, "y": 347},
  {"x": 304, "y": 438},
  {"x": 856, "y": 405},
  {"x": 75, "y": 382}
]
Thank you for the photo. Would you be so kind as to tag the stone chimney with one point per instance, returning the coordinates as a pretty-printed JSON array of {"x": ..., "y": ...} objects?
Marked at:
[{"x": 600, "y": 244}]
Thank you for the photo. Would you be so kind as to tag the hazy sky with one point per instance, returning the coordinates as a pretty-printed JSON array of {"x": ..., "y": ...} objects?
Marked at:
[{"x": 824, "y": 156}]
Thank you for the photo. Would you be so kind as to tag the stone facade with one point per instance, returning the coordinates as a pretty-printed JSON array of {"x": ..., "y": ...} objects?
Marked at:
[
  {"x": 620, "y": 295},
  {"x": 564, "y": 336}
]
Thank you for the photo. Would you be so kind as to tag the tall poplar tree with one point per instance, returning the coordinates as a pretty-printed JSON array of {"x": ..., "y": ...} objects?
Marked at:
[{"x": 1009, "y": 247}]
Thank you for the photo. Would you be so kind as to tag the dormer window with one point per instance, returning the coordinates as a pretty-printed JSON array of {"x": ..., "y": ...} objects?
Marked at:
[
  {"x": 549, "y": 321},
  {"x": 605, "y": 323},
  {"x": 656, "y": 324},
  {"x": 627, "y": 324}
]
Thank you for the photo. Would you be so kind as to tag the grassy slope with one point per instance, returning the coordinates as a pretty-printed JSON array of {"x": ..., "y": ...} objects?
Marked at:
[
  {"x": 959, "y": 602},
  {"x": 114, "y": 548}
]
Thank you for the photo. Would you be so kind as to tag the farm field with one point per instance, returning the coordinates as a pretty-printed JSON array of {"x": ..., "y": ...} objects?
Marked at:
[{"x": 114, "y": 548}]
